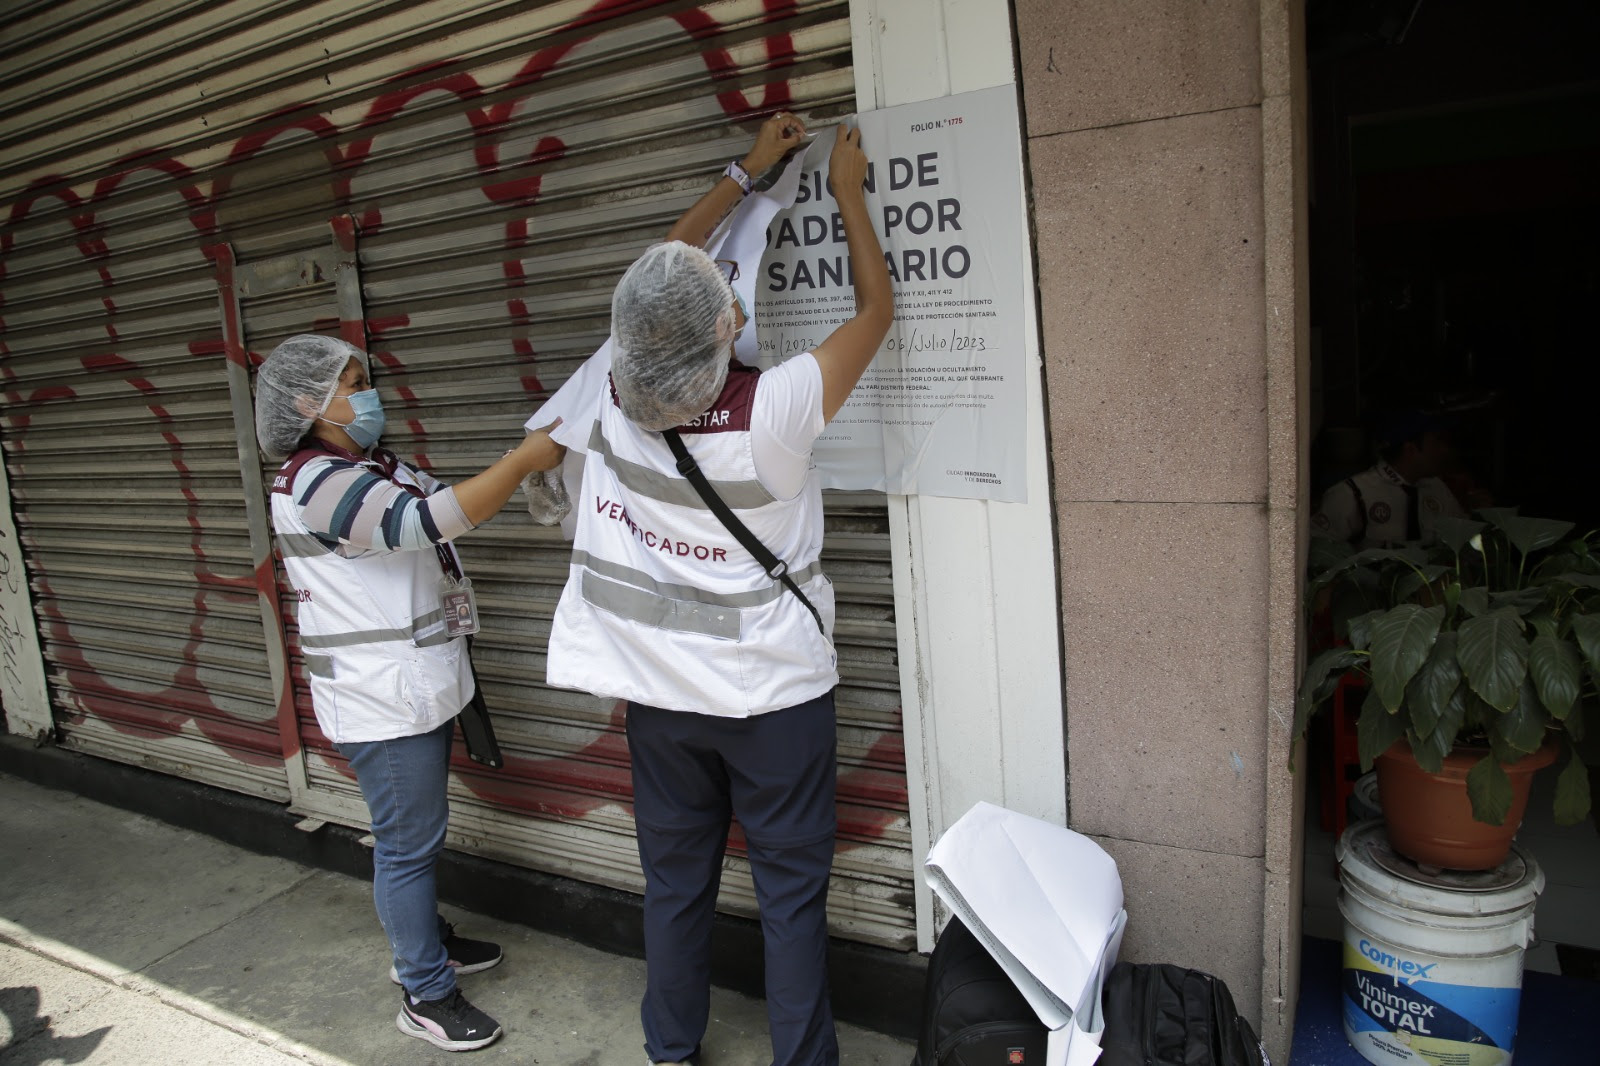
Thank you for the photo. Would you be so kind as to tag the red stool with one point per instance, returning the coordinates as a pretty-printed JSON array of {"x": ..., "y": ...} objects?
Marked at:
[{"x": 1343, "y": 766}]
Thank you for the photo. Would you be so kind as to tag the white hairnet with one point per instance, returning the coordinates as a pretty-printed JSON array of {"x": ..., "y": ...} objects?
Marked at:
[
  {"x": 298, "y": 376},
  {"x": 672, "y": 335}
]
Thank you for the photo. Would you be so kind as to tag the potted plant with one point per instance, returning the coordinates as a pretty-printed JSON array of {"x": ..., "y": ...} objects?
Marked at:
[{"x": 1481, "y": 654}]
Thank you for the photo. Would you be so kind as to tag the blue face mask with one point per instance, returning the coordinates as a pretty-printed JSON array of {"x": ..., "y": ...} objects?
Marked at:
[{"x": 367, "y": 426}]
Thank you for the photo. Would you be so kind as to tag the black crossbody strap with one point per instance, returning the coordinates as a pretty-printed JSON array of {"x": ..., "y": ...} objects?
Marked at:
[
  {"x": 775, "y": 567},
  {"x": 1361, "y": 509}
]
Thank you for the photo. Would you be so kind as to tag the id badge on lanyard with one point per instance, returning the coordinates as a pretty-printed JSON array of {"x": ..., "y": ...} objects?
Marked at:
[
  {"x": 460, "y": 606},
  {"x": 455, "y": 588}
]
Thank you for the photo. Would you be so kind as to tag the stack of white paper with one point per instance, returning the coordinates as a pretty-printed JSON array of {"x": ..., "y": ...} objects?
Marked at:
[{"x": 1047, "y": 903}]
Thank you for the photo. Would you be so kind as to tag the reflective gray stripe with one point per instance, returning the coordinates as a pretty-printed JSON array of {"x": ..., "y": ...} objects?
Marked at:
[
  {"x": 734, "y": 600},
  {"x": 301, "y": 546},
  {"x": 346, "y": 640},
  {"x": 319, "y": 665},
  {"x": 661, "y": 612},
  {"x": 739, "y": 495},
  {"x": 377, "y": 636},
  {"x": 433, "y": 620}
]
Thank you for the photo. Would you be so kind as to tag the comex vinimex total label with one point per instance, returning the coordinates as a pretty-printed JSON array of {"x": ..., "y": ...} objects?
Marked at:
[{"x": 1404, "y": 1008}]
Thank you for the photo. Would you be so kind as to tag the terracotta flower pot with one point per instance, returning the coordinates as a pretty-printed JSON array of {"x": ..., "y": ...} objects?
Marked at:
[{"x": 1429, "y": 816}]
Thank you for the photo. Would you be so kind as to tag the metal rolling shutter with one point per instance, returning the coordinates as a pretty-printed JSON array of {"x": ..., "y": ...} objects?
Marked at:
[
  {"x": 503, "y": 162},
  {"x": 121, "y": 451}
]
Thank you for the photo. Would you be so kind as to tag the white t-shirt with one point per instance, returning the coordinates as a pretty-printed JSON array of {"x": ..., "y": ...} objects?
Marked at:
[
  {"x": 663, "y": 606},
  {"x": 785, "y": 422}
]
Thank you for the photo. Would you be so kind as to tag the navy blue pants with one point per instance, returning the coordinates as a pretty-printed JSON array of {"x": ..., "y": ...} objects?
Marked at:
[{"x": 776, "y": 772}]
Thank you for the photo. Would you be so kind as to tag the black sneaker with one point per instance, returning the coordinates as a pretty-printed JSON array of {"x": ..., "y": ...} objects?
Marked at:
[
  {"x": 466, "y": 956},
  {"x": 450, "y": 1023}
]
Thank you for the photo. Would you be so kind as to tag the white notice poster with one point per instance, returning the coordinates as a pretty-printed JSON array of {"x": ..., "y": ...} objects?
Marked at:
[{"x": 941, "y": 411}]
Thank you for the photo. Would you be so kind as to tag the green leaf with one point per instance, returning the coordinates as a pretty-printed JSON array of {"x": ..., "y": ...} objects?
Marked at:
[
  {"x": 1523, "y": 726},
  {"x": 1376, "y": 729},
  {"x": 1322, "y": 676},
  {"x": 1325, "y": 554},
  {"x": 1490, "y": 791},
  {"x": 1572, "y": 577},
  {"x": 1479, "y": 717},
  {"x": 1407, "y": 584},
  {"x": 1531, "y": 534},
  {"x": 1346, "y": 600},
  {"x": 1494, "y": 655},
  {"x": 1413, "y": 556},
  {"x": 1433, "y": 686},
  {"x": 1361, "y": 629},
  {"x": 1455, "y": 532},
  {"x": 1497, "y": 515},
  {"x": 1451, "y": 720},
  {"x": 1523, "y": 601},
  {"x": 1401, "y": 639},
  {"x": 1502, "y": 750},
  {"x": 1329, "y": 561},
  {"x": 1586, "y": 627},
  {"x": 1428, "y": 752},
  {"x": 1475, "y": 601},
  {"x": 1572, "y": 790},
  {"x": 1556, "y": 671},
  {"x": 1554, "y": 564}
]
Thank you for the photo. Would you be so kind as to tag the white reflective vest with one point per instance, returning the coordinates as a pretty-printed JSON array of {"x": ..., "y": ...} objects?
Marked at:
[
  {"x": 372, "y": 632},
  {"x": 1371, "y": 508},
  {"x": 662, "y": 605}
]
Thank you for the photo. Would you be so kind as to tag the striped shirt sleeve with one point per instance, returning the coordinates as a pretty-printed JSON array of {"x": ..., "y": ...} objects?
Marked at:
[{"x": 343, "y": 503}]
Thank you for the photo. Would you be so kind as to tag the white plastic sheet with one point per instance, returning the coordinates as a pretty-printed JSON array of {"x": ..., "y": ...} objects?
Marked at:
[
  {"x": 742, "y": 237},
  {"x": 1047, "y": 903}
]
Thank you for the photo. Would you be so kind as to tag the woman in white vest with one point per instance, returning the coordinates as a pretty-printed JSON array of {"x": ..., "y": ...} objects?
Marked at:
[
  {"x": 365, "y": 541},
  {"x": 728, "y": 672}
]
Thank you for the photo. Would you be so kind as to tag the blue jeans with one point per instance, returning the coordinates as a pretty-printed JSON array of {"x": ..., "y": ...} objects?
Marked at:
[
  {"x": 403, "y": 781},
  {"x": 776, "y": 772}
]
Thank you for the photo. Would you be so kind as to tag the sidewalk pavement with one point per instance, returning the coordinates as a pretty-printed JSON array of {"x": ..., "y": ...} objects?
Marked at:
[{"x": 125, "y": 941}]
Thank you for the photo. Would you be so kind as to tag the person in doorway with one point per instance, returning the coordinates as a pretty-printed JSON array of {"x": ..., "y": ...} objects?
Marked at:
[
  {"x": 1399, "y": 499},
  {"x": 365, "y": 541},
  {"x": 728, "y": 674}
]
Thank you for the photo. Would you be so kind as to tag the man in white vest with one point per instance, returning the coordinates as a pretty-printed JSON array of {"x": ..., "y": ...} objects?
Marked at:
[
  {"x": 1399, "y": 499},
  {"x": 727, "y": 663}
]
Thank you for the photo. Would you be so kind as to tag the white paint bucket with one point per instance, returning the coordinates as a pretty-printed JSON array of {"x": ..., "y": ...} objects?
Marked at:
[
  {"x": 1432, "y": 963},
  {"x": 1364, "y": 800}
]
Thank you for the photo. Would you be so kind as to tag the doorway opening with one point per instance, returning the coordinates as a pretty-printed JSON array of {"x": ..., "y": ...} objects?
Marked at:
[{"x": 1455, "y": 214}]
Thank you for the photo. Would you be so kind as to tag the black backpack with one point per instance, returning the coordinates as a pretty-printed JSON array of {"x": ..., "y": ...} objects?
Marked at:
[
  {"x": 972, "y": 1013},
  {"x": 1164, "y": 1015}
]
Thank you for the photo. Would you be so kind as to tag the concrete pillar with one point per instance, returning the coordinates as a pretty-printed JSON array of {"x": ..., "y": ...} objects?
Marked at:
[{"x": 1168, "y": 202}]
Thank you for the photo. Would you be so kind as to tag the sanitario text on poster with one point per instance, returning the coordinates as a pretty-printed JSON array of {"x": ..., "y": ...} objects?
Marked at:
[{"x": 941, "y": 411}]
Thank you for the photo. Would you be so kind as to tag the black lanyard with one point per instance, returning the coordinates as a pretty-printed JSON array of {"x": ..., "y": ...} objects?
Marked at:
[{"x": 775, "y": 567}]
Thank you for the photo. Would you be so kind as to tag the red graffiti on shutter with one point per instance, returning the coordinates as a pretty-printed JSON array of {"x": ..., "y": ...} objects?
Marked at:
[{"x": 571, "y": 785}]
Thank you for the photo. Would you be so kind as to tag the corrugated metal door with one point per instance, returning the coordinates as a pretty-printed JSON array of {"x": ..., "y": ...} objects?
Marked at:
[
  {"x": 118, "y": 434},
  {"x": 501, "y": 164}
]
